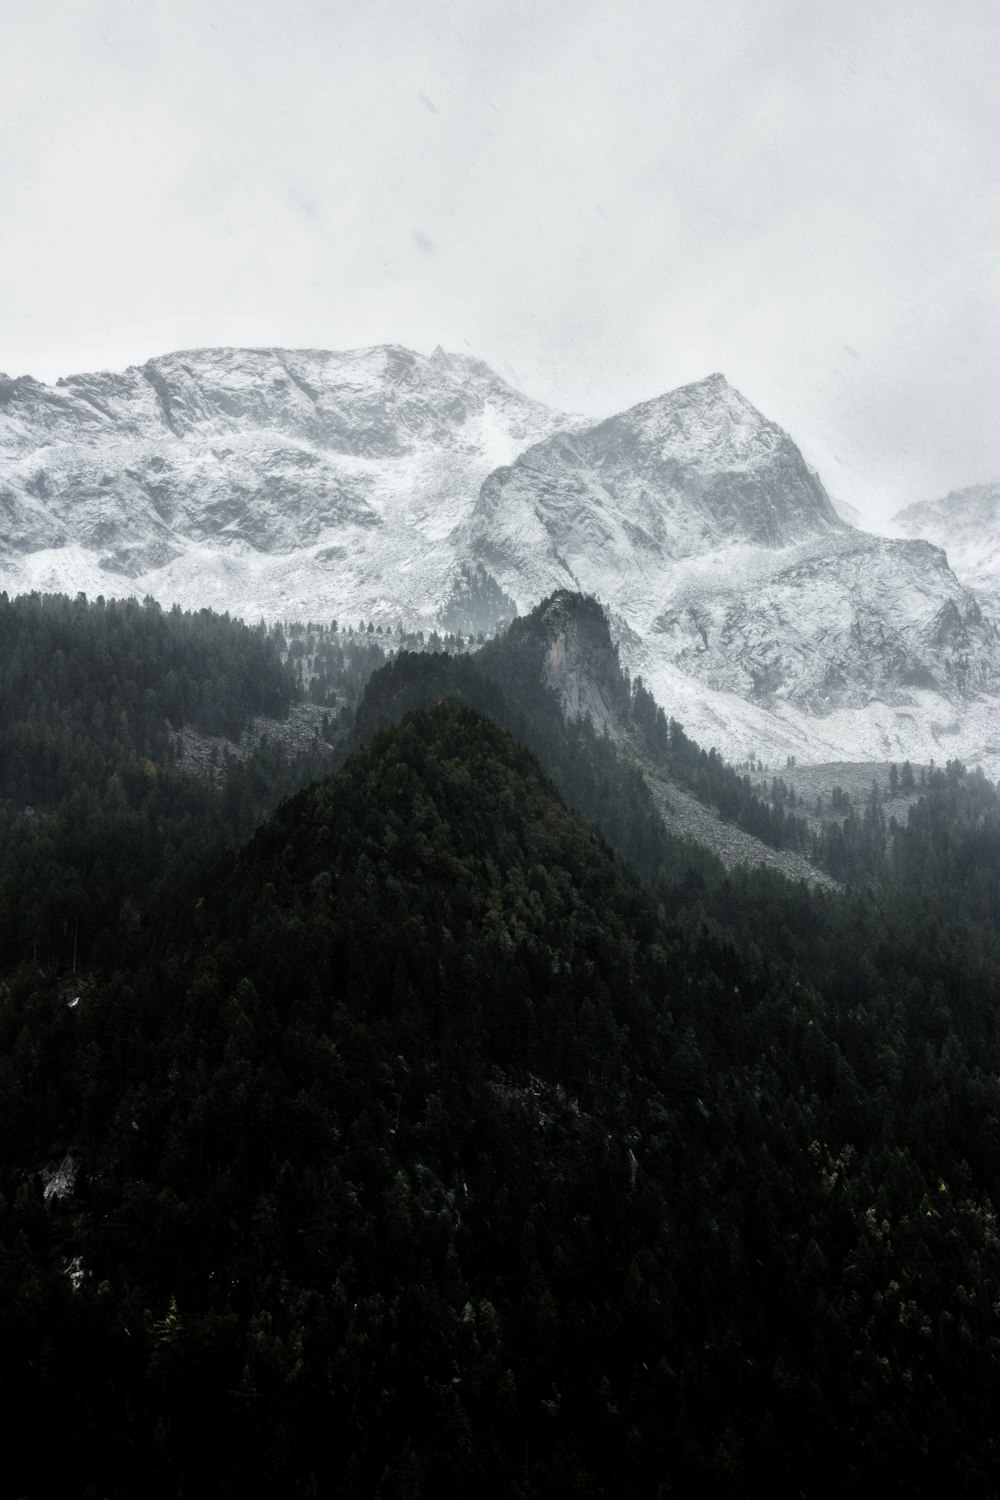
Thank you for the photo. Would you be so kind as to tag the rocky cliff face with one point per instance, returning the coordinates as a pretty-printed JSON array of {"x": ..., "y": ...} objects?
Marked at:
[
  {"x": 966, "y": 524},
  {"x": 692, "y": 471},
  {"x": 581, "y": 663},
  {"x": 830, "y": 625},
  {"x": 384, "y": 484},
  {"x": 257, "y": 480}
]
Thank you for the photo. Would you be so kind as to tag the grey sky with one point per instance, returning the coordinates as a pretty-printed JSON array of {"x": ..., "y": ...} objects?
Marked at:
[{"x": 603, "y": 200}]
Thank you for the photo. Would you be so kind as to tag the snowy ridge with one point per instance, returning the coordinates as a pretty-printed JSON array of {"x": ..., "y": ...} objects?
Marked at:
[
  {"x": 829, "y": 625},
  {"x": 966, "y": 524},
  {"x": 672, "y": 478},
  {"x": 759, "y": 618},
  {"x": 853, "y": 648},
  {"x": 388, "y": 485},
  {"x": 261, "y": 481}
]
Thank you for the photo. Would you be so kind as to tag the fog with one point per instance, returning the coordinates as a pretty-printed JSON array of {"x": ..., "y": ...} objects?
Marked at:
[{"x": 602, "y": 200}]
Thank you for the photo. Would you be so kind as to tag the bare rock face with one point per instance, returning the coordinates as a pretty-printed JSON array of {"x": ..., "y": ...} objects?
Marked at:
[{"x": 581, "y": 663}]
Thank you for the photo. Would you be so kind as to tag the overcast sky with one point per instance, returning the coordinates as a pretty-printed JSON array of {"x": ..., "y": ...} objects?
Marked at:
[{"x": 603, "y": 200}]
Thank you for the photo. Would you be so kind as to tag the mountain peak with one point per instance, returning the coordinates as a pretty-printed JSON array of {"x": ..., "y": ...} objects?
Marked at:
[
  {"x": 683, "y": 474},
  {"x": 261, "y": 480},
  {"x": 713, "y": 395}
]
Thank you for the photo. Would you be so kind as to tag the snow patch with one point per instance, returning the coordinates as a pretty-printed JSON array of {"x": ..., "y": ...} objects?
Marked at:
[{"x": 58, "y": 1178}]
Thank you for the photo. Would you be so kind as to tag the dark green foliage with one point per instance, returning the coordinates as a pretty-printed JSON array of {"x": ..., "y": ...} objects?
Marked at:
[
  {"x": 94, "y": 813},
  {"x": 477, "y": 602},
  {"x": 423, "y": 1153},
  {"x": 332, "y": 665},
  {"x": 504, "y": 681},
  {"x": 855, "y": 849},
  {"x": 119, "y": 674},
  {"x": 421, "y": 1150},
  {"x": 715, "y": 782}
]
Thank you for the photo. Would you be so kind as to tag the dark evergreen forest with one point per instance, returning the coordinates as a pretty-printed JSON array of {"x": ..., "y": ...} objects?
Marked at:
[{"x": 460, "y": 1130}]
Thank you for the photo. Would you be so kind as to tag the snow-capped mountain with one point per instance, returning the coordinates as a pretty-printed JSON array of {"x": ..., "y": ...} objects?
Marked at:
[
  {"x": 757, "y": 615},
  {"x": 966, "y": 524},
  {"x": 385, "y": 484},
  {"x": 830, "y": 625},
  {"x": 868, "y": 646},
  {"x": 625, "y": 499},
  {"x": 262, "y": 481}
]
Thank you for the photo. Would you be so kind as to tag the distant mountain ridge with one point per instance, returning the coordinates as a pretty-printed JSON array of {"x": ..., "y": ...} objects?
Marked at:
[
  {"x": 388, "y": 485},
  {"x": 852, "y": 618},
  {"x": 966, "y": 523},
  {"x": 365, "y": 402},
  {"x": 258, "y": 480},
  {"x": 758, "y": 616}
]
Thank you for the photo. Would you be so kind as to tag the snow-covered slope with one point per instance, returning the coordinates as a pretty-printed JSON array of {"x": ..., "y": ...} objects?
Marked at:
[
  {"x": 828, "y": 625},
  {"x": 855, "y": 645},
  {"x": 761, "y": 619},
  {"x": 669, "y": 479},
  {"x": 262, "y": 481},
  {"x": 966, "y": 524},
  {"x": 385, "y": 484}
]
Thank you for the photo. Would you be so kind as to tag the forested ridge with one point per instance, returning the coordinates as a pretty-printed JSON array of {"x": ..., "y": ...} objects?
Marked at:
[
  {"x": 601, "y": 773},
  {"x": 95, "y": 812},
  {"x": 418, "y": 1146}
]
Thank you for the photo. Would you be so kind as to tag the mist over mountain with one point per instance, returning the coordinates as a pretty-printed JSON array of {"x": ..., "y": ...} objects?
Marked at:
[
  {"x": 499, "y": 861},
  {"x": 554, "y": 680}
]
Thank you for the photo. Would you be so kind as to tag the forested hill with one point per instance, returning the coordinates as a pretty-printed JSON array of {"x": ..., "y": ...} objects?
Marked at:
[
  {"x": 421, "y": 1153},
  {"x": 593, "y": 730},
  {"x": 602, "y": 785},
  {"x": 83, "y": 665}
]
